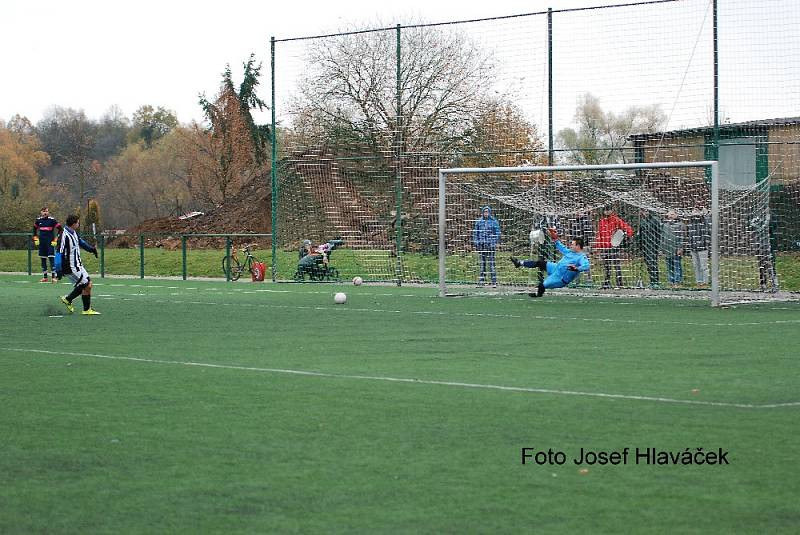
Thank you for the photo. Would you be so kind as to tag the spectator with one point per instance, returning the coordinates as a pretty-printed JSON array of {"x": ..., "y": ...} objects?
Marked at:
[
  {"x": 699, "y": 244},
  {"x": 485, "y": 237},
  {"x": 649, "y": 239},
  {"x": 673, "y": 239},
  {"x": 610, "y": 255},
  {"x": 760, "y": 230}
]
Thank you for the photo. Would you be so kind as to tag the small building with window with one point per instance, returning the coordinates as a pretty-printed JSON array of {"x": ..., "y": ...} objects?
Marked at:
[{"x": 748, "y": 152}]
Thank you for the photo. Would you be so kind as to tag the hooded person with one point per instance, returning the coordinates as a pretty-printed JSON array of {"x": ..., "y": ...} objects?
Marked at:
[{"x": 485, "y": 237}]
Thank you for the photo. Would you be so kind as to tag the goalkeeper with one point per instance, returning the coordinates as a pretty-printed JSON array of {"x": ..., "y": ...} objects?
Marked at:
[
  {"x": 561, "y": 273},
  {"x": 45, "y": 239}
]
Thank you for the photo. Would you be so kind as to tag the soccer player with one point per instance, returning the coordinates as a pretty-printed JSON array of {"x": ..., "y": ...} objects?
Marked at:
[
  {"x": 72, "y": 267},
  {"x": 561, "y": 273},
  {"x": 45, "y": 236}
]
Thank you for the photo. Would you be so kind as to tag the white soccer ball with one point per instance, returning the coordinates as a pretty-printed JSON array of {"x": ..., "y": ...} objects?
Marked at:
[
  {"x": 358, "y": 281},
  {"x": 340, "y": 298},
  {"x": 536, "y": 237}
]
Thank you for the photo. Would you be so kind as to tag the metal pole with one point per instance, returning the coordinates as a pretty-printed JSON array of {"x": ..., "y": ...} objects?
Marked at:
[
  {"x": 715, "y": 286},
  {"x": 228, "y": 256},
  {"x": 549, "y": 86},
  {"x": 30, "y": 255},
  {"x": 102, "y": 244},
  {"x": 273, "y": 171},
  {"x": 398, "y": 187},
  {"x": 546, "y": 168},
  {"x": 715, "y": 153},
  {"x": 183, "y": 256},
  {"x": 442, "y": 234},
  {"x": 141, "y": 256}
]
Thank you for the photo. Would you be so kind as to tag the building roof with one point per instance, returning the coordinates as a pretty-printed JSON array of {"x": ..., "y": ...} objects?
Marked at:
[{"x": 762, "y": 123}]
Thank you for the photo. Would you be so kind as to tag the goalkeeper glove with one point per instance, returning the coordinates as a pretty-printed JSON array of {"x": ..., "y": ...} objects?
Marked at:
[
  {"x": 54, "y": 243},
  {"x": 553, "y": 233},
  {"x": 36, "y": 241}
]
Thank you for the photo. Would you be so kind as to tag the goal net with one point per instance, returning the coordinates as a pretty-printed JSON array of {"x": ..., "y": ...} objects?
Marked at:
[{"x": 654, "y": 229}]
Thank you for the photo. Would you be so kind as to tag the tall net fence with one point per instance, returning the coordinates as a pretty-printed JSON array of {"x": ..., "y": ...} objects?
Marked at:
[{"x": 365, "y": 119}]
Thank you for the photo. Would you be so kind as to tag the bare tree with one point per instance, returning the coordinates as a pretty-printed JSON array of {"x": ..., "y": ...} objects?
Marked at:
[
  {"x": 69, "y": 137},
  {"x": 602, "y": 137},
  {"x": 349, "y": 93}
]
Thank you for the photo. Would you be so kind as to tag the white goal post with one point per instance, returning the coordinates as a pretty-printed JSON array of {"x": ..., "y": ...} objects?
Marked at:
[{"x": 472, "y": 187}]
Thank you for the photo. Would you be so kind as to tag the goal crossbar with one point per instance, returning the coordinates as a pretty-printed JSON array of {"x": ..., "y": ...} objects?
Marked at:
[{"x": 712, "y": 165}]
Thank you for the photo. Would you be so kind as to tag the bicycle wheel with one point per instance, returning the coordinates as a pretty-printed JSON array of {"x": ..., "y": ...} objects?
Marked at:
[{"x": 233, "y": 265}]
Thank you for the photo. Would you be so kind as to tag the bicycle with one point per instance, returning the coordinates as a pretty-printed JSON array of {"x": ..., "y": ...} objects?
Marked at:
[{"x": 231, "y": 264}]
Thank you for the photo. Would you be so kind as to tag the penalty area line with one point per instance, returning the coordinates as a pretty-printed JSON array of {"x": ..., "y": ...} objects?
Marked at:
[{"x": 456, "y": 384}]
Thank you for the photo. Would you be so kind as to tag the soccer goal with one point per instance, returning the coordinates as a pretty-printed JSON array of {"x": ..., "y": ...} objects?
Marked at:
[{"x": 649, "y": 229}]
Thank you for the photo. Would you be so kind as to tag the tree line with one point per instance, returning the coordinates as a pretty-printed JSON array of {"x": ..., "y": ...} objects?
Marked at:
[
  {"x": 150, "y": 165},
  {"x": 146, "y": 166}
]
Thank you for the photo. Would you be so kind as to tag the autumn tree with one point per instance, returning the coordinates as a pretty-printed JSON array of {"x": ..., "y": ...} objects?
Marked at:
[
  {"x": 349, "y": 93},
  {"x": 501, "y": 136},
  {"x": 21, "y": 159},
  {"x": 143, "y": 183},
  {"x": 602, "y": 137},
  {"x": 230, "y": 150},
  {"x": 92, "y": 219}
]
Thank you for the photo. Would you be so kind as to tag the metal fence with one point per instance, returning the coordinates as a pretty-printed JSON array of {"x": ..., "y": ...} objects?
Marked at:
[{"x": 364, "y": 119}]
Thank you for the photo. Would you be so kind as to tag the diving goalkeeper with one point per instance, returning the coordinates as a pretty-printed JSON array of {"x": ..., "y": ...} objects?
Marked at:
[{"x": 561, "y": 273}]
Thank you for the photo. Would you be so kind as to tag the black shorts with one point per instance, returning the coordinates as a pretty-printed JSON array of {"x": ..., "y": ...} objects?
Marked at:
[{"x": 46, "y": 250}]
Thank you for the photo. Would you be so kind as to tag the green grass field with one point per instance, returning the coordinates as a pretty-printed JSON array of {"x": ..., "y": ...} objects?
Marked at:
[
  {"x": 376, "y": 265},
  {"x": 212, "y": 407}
]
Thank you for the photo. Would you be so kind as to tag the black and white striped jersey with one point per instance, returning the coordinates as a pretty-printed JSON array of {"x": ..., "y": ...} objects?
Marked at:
[{"x": 70, "y": 249}]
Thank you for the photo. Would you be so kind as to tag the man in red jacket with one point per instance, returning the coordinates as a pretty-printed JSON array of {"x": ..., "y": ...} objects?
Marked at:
[{"x": 610, "y": 254}]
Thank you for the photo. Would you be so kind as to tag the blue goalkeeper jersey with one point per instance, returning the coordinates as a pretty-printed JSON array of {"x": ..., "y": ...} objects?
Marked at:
[{"x": 560, "y": 268}]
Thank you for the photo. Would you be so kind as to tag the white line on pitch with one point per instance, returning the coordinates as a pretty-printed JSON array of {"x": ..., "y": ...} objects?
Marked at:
[
  {"x": 416, "y": 381},
  {"x": 484, "y": 314}
]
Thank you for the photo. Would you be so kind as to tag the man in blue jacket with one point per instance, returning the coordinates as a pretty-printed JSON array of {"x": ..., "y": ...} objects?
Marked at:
[
  {"x": 561, "y": 273},
  {"x": 485, "y": 238}
]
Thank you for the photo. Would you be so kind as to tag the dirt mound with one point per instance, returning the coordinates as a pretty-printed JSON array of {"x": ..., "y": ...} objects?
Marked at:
[{"x": 246, "y": 212}]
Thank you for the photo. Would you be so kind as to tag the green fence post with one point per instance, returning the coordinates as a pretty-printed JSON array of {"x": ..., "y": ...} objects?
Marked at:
[
  {"x": 141, "y": 256},
  {"x": 30, "y": 254},
  {"x": 273, "y": 171},
  {"x": 183, "y": 254},
  {"x": 101, "y": 242},
  {"x": 550, "y": 86},
  {"x": 715, "y": 30},
  {"x": 228, "y": 256},
  {"x": 399, "y": 167}
]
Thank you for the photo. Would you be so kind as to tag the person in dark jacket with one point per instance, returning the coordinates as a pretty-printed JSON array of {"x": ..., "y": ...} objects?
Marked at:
[
  {"x": 649, "y": 238},
  {"x": 673, "y": 240},
  {"x": 699, "y": 244},
  {"x": 45, "y": 238}
]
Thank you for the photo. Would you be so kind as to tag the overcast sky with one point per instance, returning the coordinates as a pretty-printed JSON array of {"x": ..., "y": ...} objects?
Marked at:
[{"x": 92, "y": 54}]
